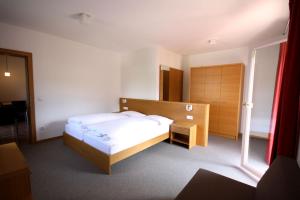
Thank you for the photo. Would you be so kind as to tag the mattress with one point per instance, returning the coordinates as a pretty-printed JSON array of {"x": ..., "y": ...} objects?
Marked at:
[
  {"x": 75, "y": 130},
  {"x": 114, "y": 136}
]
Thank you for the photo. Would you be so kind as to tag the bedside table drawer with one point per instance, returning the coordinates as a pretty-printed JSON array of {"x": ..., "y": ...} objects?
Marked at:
[{"x": 185, "y": 131}]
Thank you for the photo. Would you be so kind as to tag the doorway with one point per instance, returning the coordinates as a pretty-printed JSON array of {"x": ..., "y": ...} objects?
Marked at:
[
  {"x": 17, "y": 110},
  {"x": 258, "y": 108},
  {"x": 170, "y": 84}
]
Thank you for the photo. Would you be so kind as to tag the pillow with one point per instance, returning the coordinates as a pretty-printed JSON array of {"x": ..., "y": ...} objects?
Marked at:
[
  {"x": 133, "y": 114},
  {"x": 160, "y": 119}
]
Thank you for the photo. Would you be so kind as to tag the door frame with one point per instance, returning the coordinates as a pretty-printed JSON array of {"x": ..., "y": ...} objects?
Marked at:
[
  {"x": 248, "y": 105},
  {"x": 30, "y": 88}
]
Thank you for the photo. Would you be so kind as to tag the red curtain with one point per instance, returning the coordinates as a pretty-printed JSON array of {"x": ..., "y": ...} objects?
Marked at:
[
  {"x": 281, "y": 61},
  {"x": 286, "y": 130}
]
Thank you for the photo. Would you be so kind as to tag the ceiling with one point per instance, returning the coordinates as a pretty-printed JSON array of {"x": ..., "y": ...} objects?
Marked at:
[{"x": 182, "y": 26}]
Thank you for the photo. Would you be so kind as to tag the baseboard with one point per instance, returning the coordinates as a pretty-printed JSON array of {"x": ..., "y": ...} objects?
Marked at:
[
  {"x": 49, "y": 139},
  {"x": 257, "y": 135},
  {"x": 224, "y": 136}
]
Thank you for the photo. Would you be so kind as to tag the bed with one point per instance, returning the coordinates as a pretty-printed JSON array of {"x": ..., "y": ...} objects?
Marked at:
[
  {"x": 77, "y": 126},
  {"x": 105, "y": 143}
]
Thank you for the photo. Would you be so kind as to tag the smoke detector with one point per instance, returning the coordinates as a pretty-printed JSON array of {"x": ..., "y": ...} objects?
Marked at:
[
  {"x": 84, "y": 18},
  {"x": 212, "y": 41}
]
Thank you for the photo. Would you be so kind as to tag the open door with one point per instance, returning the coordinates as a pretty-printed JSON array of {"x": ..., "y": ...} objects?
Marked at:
[
  {"x": 170, "y": 84},
  {"x": 175, "y": 84}
]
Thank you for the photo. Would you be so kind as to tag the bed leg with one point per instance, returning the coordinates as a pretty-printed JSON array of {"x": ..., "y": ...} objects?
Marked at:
[{"x": 107, "y": 170}]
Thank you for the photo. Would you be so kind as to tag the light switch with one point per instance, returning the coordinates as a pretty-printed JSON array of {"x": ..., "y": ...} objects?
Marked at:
[
  {"x": 190, "y": 117},
  {"x": 125, "y": 108}
]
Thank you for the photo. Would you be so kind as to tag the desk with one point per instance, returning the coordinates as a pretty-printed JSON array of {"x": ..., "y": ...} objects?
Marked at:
[{"x": 14, "y": 174}]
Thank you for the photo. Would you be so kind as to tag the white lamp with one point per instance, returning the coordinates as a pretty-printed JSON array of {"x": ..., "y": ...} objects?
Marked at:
[{"x": 189, "y": 107}]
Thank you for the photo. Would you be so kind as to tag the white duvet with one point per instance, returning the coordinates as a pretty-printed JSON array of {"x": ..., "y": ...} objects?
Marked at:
[
  {"x": 95, "y": 118},
  {"x": 113, "y": 136}
]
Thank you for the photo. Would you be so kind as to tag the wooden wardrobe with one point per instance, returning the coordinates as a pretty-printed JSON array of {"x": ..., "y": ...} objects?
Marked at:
[{"x": 221, "y": 86}]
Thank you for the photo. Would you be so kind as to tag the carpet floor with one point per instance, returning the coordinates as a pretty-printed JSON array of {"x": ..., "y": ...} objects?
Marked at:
[{"x": 159, "y": 172}]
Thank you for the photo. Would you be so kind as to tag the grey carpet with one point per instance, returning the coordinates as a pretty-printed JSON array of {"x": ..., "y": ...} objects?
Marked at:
[{"x": 159, "y": 172}]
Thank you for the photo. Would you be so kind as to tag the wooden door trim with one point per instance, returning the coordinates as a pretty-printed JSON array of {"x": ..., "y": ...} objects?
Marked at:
[
  {"x": 30, "y": 87},
  {"x": 161, "y": 82}
]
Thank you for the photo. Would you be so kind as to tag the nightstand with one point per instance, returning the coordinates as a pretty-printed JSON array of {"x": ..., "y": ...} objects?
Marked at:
[{"x": 184, "y": 133}]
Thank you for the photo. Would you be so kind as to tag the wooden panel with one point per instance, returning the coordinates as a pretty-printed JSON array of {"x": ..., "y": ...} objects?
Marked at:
[
  {"x": 214, "y": 117},
  {"x": 231, "y": 91},
  {"x": 12, "y": 159},
  {"x": 182, "y": 130},
  {"x": 197, "y": 85},
  {"x": 175, "y": 84},
  {"x": 99, "y": 158},
  {"x": 192, "y": 137},
  {"x": 175, "y": 111},
  {"x": 205, "y": 88},
  {"x": 212, "y": 84},
  {"x": 231, "y": 83},
  {"x": 14, "y": 174},
  {"x": 137, "y": 148}
]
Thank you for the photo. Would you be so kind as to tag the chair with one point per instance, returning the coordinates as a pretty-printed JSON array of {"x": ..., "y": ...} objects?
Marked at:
[
  {"x": 20, "y": 109},
  {"x": 8, "y": 117}
]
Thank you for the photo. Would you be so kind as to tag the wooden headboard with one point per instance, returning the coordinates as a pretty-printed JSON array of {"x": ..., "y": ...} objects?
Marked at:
[{"x": 173, "y": 110}]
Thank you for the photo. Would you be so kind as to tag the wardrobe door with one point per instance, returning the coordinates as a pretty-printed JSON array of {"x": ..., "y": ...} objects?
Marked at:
[
  {"x": 212, "y": 96},
  {"x": 230, "y": 101},
  {"x": 205, "y": 85},
  {"x": 175, "y": 84},
  {"x": 197, "y": 85}
]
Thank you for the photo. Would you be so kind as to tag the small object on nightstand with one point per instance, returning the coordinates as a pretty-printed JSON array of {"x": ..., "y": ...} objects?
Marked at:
[{"x": 184, "y": 133}]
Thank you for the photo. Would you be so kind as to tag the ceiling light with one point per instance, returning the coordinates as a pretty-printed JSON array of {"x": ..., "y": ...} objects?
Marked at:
[
  {"x": 6, "y": 73},
  {"x": 212, "y": 41}
]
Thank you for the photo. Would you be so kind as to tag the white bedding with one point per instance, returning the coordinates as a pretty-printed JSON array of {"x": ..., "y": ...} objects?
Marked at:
[
  {"x": 95, "y": 118},
  {"x": 75, "y": 130},
  {"x": 114, "y": 136}
]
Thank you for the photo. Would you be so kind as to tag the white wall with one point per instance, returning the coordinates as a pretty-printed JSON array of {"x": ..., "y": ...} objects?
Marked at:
[
  {"x": 169, "y": 58},
  {"x": 70, "y": 78},
  {"x": 12, "y": 88},
  {"x": 239, "y": 55},
  {"x": 263, "y": 89},
  {"x": 140, "y": 71},
  {"x": 139, "y": 74}
]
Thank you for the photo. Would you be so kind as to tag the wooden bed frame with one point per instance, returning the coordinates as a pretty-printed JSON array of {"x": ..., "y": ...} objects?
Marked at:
[
  {"x": 173, "y": 110},
  {"x": 103, "y": 160}
]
